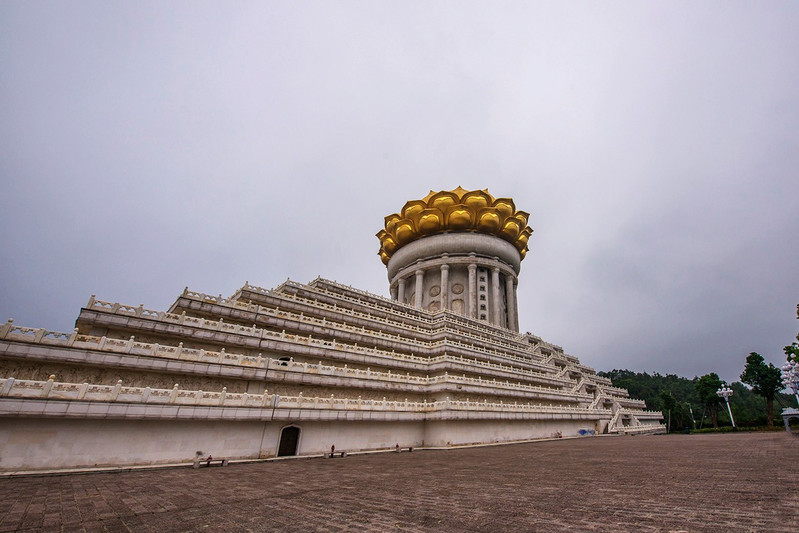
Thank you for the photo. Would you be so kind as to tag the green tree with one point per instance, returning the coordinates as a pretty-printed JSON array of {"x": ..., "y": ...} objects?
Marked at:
[
  {"x": 765, "y": 380},
  {"x": 706, "y": 388}
]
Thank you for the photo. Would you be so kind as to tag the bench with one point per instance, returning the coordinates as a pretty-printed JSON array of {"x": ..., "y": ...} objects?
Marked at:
[
  {"x": 210, "y": 462},
  {"x": 335, "y": 453}
]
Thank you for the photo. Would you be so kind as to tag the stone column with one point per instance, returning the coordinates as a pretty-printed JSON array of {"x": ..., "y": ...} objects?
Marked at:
[
  {"x": 472, "y": 290},
  {"x": 393, "y": 291},
  {"x": 444, "y": 287},
  {"x": 516, "y": 306},
  {"x": 419, "y": 287},
  {"x": 401, "y": 290},
  {"x": 495, "y": 310},
  {"x": 510, "y": 297}
]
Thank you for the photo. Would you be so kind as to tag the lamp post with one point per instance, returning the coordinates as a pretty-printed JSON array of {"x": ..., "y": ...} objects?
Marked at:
[
  {"x": 790, "y": 378},
  {"x": 725, "y": 392}
]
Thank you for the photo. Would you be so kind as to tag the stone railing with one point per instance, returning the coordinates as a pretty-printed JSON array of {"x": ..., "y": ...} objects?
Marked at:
[
  {"x": 491, "y": 332},
  {"x": 131, "y": 346},
  {"x": 220, "y": 325},
  {"x": 611, "y": 390},
  {"x": 350, "y": 312},
  {"x": 53, "y": 390},
  {"x": 614, "y": 419},
  {"x": 417, "y": 314},
  {"x": 642, "y": 413},
  {"x": 577, "y": 386},
  {"x": 437, "y": 316},
  {"x": 603, "y": 380},
  {"x": 642, "y": 428},
  {"x": 629, "y": 402},
  {"x": 596, "y": 401}
]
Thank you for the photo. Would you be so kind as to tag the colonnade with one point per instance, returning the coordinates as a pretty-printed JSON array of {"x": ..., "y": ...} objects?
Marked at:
[{"x": 413, "y": 280}]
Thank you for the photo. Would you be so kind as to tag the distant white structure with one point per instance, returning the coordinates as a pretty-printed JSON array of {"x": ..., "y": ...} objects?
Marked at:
[{"x": 300, "y": 368}]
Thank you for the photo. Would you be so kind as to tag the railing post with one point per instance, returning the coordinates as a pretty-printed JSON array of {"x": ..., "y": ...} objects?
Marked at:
[
  {"x": 174, "y": 394},
  {"x": 5, "y": 390},
  {"x": 5, "y": 328},
  {"x": 115, "y": 392},
  {"x": 48, "y": 386}
]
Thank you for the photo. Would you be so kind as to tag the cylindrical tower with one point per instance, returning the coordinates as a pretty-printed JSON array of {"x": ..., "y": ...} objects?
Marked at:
[{"x": 458, "y": 250}]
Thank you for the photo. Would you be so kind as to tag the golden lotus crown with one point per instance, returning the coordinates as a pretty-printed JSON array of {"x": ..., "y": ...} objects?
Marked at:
[{"x": 456, "y": 210}]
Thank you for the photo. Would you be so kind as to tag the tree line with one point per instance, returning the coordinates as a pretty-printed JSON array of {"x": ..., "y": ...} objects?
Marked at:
[{"x": 688, "y": 403}]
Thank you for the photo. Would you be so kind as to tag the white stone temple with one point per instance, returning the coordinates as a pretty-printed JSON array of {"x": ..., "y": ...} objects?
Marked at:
[{"x": 300, "y": 368}]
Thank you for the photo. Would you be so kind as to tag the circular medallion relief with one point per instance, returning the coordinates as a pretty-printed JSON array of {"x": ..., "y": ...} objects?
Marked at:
[
  {"x": 457, "y": 288},
  {"x": 435, "y": 290}
]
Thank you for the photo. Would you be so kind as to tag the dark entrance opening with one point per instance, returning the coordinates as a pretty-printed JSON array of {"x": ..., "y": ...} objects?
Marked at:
[{"x": 288, "y": 441}]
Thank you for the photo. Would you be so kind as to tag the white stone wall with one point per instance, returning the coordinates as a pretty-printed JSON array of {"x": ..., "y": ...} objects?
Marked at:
[{"x": 37, "y": 444}]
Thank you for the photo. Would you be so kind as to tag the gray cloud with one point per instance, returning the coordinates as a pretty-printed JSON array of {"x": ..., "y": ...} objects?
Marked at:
[{"x": 145, "y": 147}]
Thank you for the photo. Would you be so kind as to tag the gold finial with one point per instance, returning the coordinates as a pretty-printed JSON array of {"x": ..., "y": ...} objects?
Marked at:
[{"x": 455, "y": 210}]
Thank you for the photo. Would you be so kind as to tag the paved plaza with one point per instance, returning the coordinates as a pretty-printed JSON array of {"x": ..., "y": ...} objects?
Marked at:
[{"x": 721, "y": 482}]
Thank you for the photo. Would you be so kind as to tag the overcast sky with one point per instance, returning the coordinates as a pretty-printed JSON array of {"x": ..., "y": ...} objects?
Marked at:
[{"x": 146, "y": 146}]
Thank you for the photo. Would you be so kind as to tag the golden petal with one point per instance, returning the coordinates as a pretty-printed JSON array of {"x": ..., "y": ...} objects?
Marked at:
[
  {"x": 505, "y": 206},
  {"x": 477, "y": 199},
  {"x": 389, "y": 245},
  {"x": 443, "y": 200},
  {"x": 459, "y": 217},
  {"x": 391, "y": 222},
  {"x": 511, "y": 229},
  {"x": 412, "y": 208},
  {"x": 459, "y": 192},
  {"x": 405, "y": 232},
  {"x": 430, "y": 221},
  {"x": 488, "y": 220}
]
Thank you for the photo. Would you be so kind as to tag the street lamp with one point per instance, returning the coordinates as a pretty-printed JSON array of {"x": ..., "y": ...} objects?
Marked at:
[
  {"x": 790, "y": 377},
  {"x": 725, "y": 392}
]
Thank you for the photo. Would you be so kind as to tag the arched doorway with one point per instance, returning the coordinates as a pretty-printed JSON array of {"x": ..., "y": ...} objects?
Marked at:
[{"x": 289, "y": 438}]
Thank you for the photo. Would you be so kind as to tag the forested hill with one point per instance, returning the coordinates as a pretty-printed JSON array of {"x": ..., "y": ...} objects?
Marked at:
[{"x": 674, "y": 394}]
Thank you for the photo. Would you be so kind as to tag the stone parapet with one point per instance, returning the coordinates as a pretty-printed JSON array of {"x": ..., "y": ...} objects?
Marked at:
[
  {"x": 102, "y": 351},
  {"x": 51, "y": 398}
]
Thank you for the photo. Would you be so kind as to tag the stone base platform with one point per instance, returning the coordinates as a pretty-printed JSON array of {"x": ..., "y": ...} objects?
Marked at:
[{"x": 710, "y": 482}]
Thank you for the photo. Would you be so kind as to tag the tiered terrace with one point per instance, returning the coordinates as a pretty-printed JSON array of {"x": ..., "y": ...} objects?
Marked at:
[{"x": 314, "y": 355}]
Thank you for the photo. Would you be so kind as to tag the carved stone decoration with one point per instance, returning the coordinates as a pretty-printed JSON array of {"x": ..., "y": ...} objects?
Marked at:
[
  {"x": 435, "y": 290},
  {"x": 434, "y": 306},
  {"x": 458, "y": 306},
  {"x": 457, "y": 288}
]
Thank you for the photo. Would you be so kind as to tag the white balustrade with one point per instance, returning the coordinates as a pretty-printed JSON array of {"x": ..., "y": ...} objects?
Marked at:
[{"x": 52, "y": 390}]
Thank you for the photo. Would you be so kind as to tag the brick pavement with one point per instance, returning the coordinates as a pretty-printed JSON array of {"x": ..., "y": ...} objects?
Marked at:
[{"x": 732, "y": 482}]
